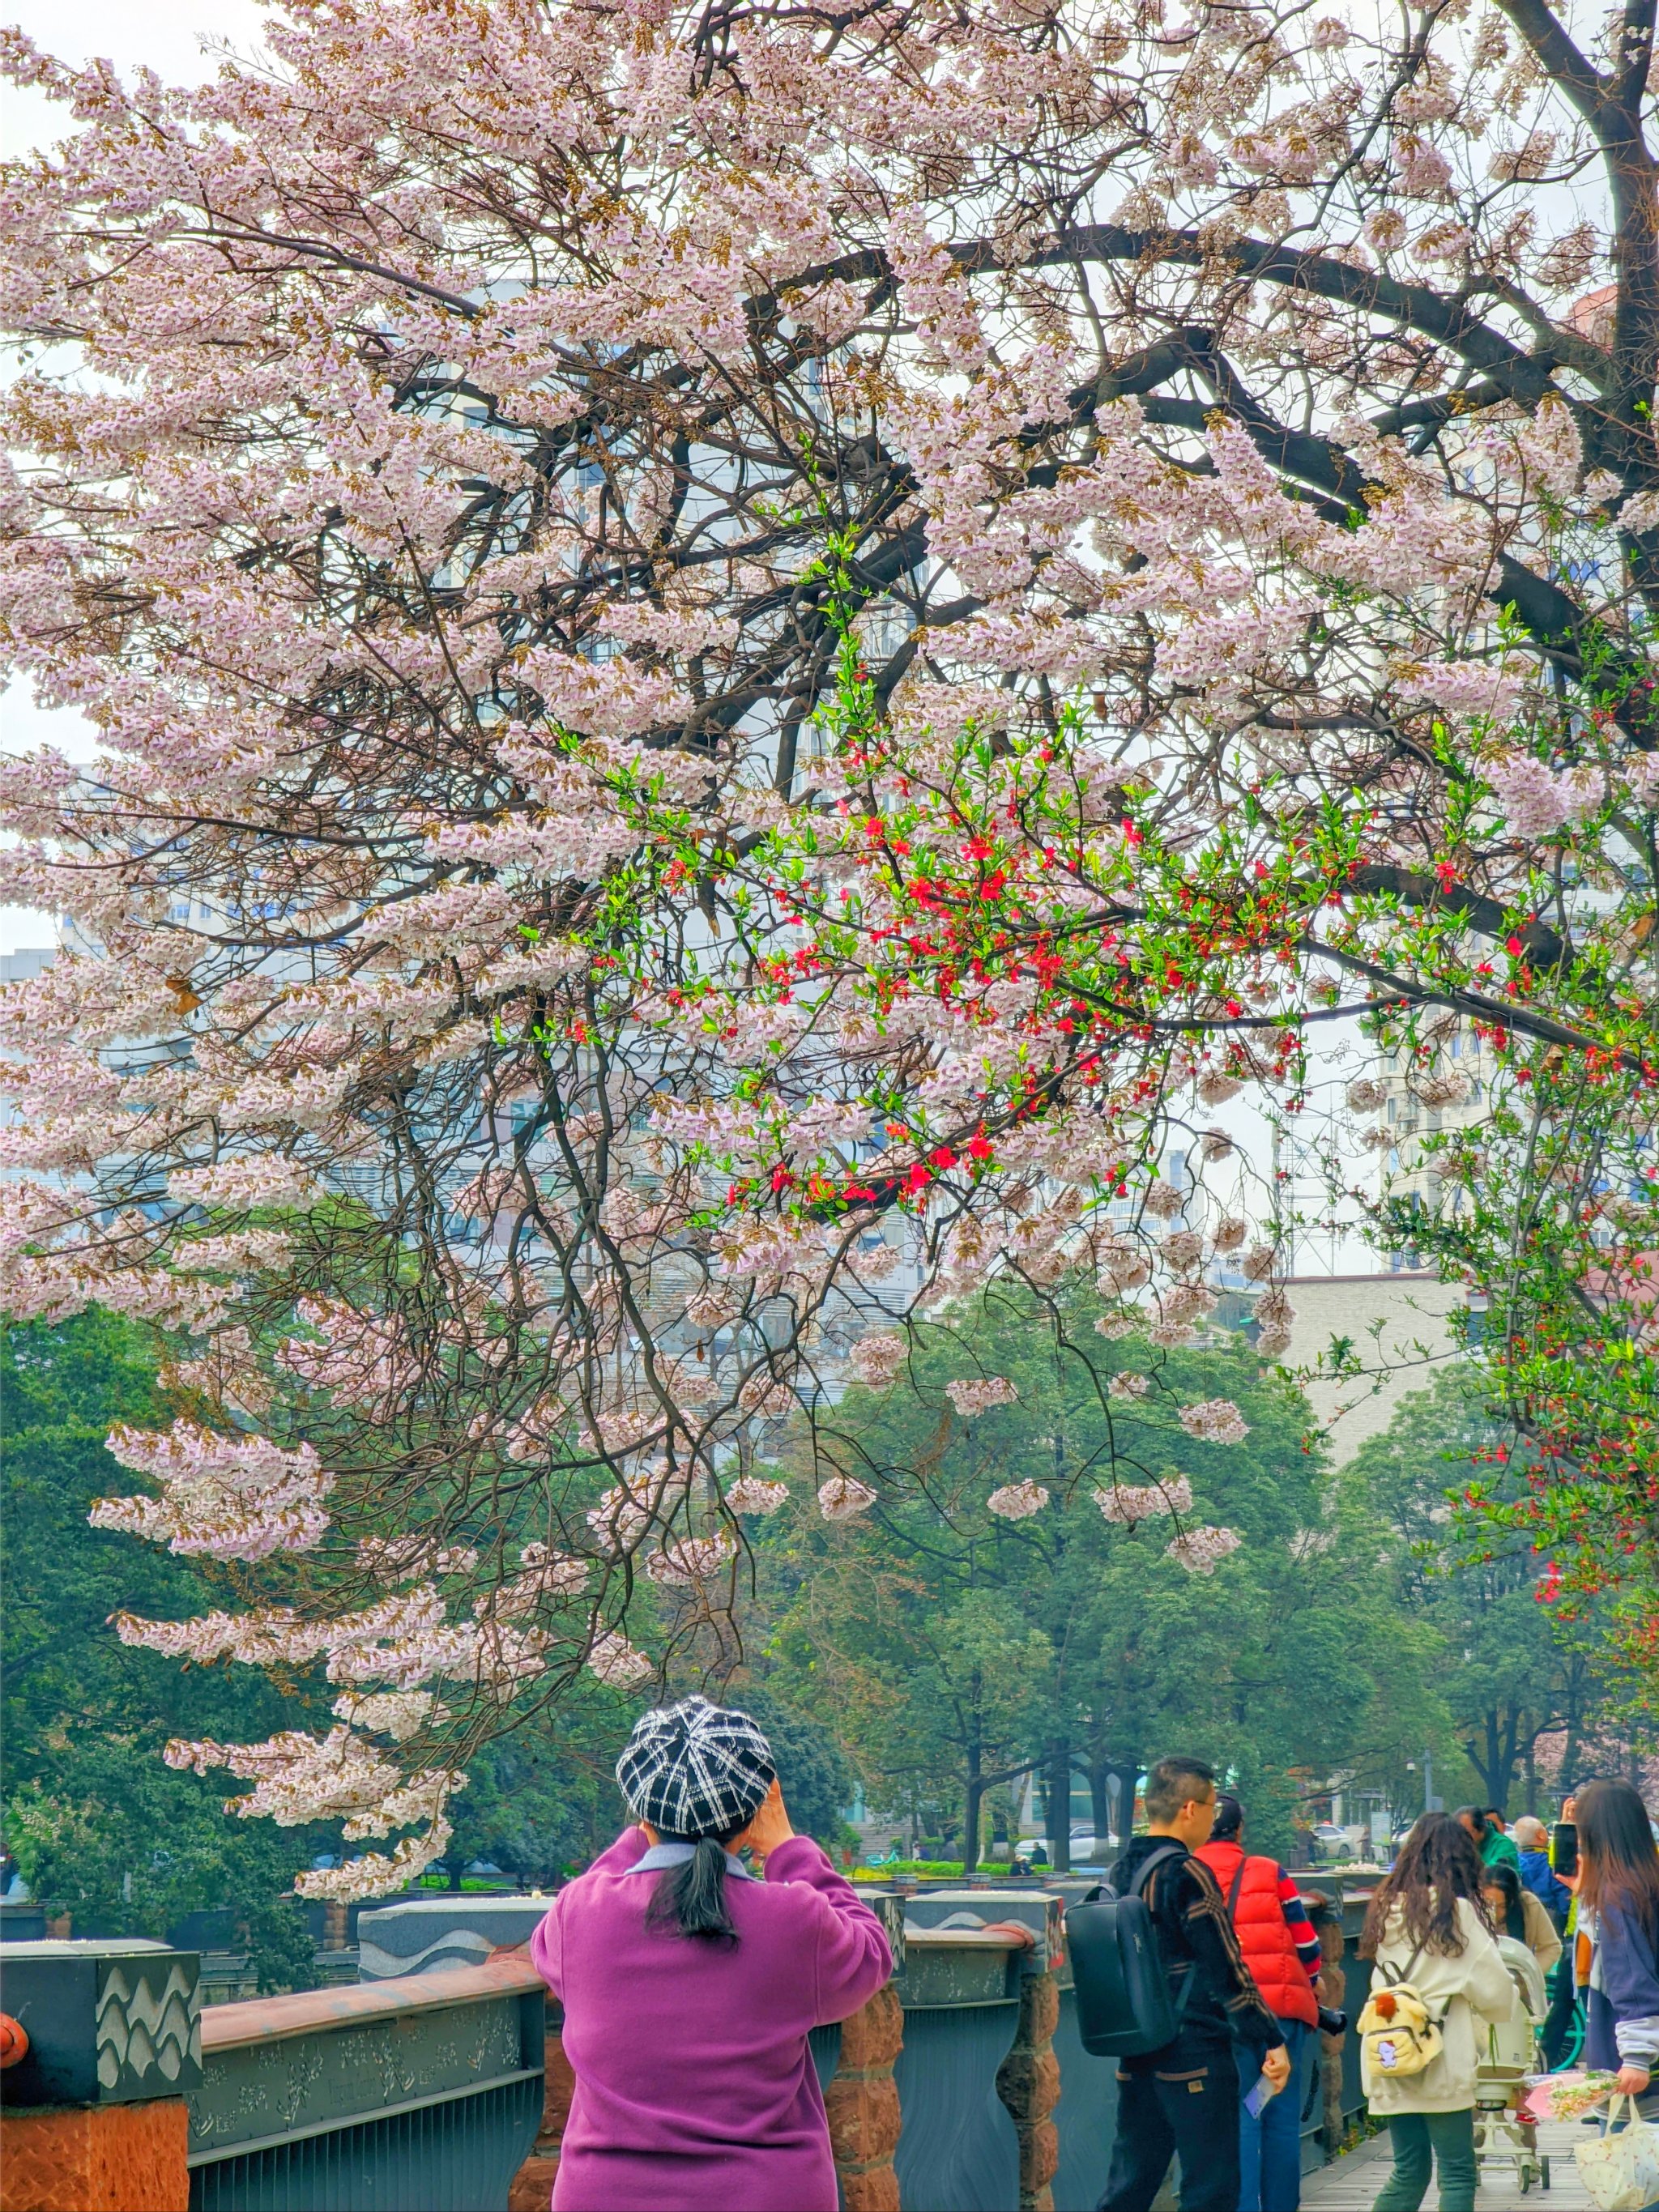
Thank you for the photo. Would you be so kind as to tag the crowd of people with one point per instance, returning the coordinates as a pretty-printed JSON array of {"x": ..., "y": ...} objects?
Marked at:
[{"x": 694, "y": 1957}]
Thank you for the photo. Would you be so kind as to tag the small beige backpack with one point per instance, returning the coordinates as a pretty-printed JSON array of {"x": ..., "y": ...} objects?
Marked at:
[{"x": 1399, "y": 2032}]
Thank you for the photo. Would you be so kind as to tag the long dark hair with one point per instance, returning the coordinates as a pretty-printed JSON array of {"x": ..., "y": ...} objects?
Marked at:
[
  {"x": 1504, "y": 1876},
  {"x": 1437, "y": 1865},
  {"x": 1619, "y": 1866},
  {"x": 689, "y": 1900}
]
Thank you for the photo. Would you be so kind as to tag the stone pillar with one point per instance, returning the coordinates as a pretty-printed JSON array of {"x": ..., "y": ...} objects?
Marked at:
[
  {"x": 863, "y": 2106},
  {"x": 1028, "y": 2082},
  {"x": 94, "y": 2117},
  {"x": 1332, "y": 1989},
  {"x": 97, "y": 2158},
  {"x": 532, "y": 2184},
  {"x": 336, "y": 1920}
]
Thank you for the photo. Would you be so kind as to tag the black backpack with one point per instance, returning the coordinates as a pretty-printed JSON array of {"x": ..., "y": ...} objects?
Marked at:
[{"x": 1124, "y": 2008}]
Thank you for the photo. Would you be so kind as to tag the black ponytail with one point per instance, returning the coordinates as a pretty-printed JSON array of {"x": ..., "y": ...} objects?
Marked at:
[{"x": 689, "y": 1900}]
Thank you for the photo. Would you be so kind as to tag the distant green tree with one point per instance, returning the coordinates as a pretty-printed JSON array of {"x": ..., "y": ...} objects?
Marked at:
[
  {"x": 816, "y": 1780},
  {"x": 1092, "y": 1647},
  {"x": 540, "y": 1803},
  {"x": 1513, "y": 1673},
  {"x": 941, "y": 1687},
  {"x": 99, "y": 1827}
]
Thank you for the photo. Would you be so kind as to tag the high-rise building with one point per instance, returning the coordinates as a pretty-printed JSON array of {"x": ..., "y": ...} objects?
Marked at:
[
  {"x": 26, "y": 963},
  {"x": 1450, "y": 1090}
]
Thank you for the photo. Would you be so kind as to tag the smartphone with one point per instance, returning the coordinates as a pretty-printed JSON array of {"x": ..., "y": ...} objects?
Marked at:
[
  {"x": 1255, "y": 2103},
  {"x": 1563, "y": 1847}
]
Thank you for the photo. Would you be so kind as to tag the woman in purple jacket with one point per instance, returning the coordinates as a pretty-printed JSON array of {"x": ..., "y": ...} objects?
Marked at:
[{"x": 690, "y": 1986}]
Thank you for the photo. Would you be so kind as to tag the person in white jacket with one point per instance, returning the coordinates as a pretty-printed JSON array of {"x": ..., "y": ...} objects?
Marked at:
[{"x": 1427, "y": 1925}]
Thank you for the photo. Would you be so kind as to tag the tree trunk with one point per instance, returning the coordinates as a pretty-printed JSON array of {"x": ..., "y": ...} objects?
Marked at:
[
  {"x": 1567, "y": 1772},
  {"x": 1503, "y": 1745},
  {"x": 1100, "y": 1801},
  {"x": 1512, "y": 1740},
  {"x": 1059, "y": 1795},
  {"x": 972, "y": 1798},
  {"x": 1128, "y": 1772},
  {"x": 1000, "y": 1832},
  {"x": 1509, "y": 1756}
]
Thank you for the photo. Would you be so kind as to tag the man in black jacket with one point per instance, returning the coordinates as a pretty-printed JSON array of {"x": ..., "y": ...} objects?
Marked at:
[{"x": 1183, "y": 2100}]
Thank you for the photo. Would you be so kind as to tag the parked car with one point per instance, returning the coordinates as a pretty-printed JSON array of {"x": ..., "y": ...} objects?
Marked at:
[
  {"x": 1331, "y": 1843},
  {"x": 1089, "y": 1846},
  {"x": 1082, "y": 1846}
]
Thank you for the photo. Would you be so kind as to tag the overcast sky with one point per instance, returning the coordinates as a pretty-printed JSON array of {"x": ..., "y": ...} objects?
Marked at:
[{"x": 167, "y": 36}]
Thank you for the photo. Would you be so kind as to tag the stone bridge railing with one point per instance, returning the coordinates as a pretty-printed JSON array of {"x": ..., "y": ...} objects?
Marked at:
[{"x": 961, "y": 2087}]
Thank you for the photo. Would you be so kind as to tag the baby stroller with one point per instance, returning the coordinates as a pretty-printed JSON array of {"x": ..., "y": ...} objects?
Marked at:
[{"x": 1501, "y": 2133}]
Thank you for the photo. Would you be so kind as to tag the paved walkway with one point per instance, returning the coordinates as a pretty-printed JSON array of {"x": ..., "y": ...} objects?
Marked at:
[{"x": 1352, "y": 2185}]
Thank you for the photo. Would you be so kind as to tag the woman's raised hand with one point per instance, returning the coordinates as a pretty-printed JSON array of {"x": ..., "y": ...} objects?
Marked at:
[{"x": 769, "y": 1827}]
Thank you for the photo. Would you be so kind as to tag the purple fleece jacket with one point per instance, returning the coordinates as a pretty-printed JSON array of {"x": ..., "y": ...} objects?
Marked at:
[{"x": 694, "y": 2089}]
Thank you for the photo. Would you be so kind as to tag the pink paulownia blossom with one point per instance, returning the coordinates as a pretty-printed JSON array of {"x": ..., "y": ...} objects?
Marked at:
[{"x": 694, "y": 768}]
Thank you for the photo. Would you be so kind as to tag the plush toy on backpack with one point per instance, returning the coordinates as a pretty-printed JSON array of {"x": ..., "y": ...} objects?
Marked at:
[{"x": 1398, "y": 2032}]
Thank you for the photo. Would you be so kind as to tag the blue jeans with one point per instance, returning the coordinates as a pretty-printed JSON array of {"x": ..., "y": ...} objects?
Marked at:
[{"x": 1270, "y": 2147}]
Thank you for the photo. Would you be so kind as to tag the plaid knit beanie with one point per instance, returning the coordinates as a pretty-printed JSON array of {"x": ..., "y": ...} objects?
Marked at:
[{"x": 695, "y": 1769}]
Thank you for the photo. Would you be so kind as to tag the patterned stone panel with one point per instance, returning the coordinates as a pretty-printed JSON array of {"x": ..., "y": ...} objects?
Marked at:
[
  {"x": 148, "y": 2028},
  {"x": 1039, "y": 1912},
  {"x": 431, "y": 1933},
  {"x": 107, "y": 2022}
]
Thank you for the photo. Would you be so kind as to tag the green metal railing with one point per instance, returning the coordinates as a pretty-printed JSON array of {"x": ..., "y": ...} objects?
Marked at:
[
  {"x": 420, "y": 2095},
  {"x": 423, "y": 2093}
]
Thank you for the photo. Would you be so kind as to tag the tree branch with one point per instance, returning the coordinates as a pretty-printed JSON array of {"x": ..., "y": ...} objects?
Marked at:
[{"x": 1561, "y": 58}]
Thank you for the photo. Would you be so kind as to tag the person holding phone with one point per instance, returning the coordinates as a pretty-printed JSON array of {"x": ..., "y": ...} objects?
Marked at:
[
  {"x": 1532, "y": 1840},
  {"x": 690, "y": 1986},
  {"x": 1617, "y": 1881},
  {"x": 1564, "y": 1843},
  {"x": 1572, "y": 1970}
]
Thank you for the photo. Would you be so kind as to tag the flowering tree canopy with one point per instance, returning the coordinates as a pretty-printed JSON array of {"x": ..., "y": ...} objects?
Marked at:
[{"x": 718, "y": 628}]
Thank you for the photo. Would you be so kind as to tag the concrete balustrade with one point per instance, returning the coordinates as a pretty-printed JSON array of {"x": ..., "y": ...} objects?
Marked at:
[{"x": 960, "y": 2088}]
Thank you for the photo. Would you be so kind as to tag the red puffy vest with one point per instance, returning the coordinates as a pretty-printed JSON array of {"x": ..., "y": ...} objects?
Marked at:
[{"x": 1263, "y": 1935}]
